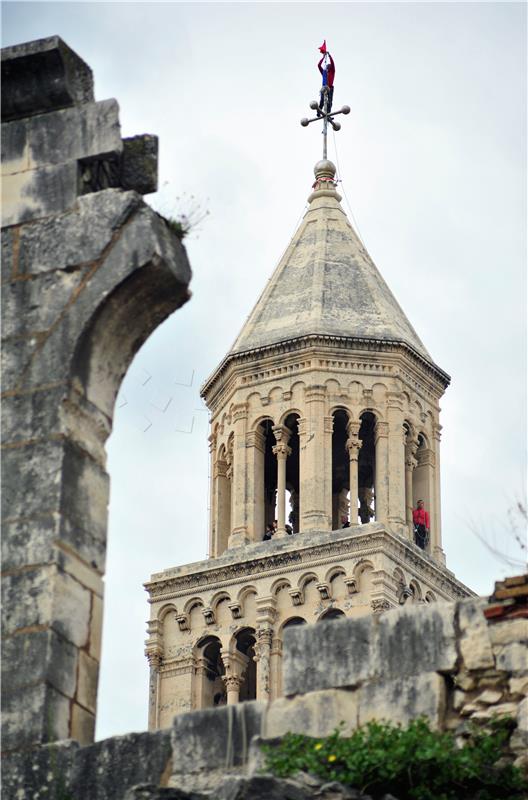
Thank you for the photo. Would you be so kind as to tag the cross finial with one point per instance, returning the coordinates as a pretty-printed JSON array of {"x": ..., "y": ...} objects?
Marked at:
[{"x": 323, "y": 108}]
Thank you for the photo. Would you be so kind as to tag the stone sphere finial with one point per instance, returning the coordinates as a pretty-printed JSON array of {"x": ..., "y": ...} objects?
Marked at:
[{"x": 325, "y": 169}]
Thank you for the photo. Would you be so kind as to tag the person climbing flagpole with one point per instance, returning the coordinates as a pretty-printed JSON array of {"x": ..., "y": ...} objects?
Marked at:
[{"x": 324, "y": 111}]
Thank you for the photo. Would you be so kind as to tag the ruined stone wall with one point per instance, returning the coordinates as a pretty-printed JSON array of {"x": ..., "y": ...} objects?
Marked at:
[
  {"x": 88, "y": 271},
  {"x": 450, "y": 662}
]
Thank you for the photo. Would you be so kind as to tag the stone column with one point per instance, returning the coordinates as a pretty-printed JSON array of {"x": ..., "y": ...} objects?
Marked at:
[
  {"x": 154, "y": 660},
  {"x": 315, "y": 439},
  {"x": 381, "y": 478},
  {"x": 263, "y": 658},
  {"x": 282, "y": 451},
  {"x": 396, "y": 464},
  {"x": 275, "y": 668},
  {"x": 239, "y": 533},
  {"x": 221, "y": 508},
  {"x": 435, "y": 512},
  {"x": 255, "y": 447},
  {"x": 232, "y": 684},
  {"x": 353, "y": 446},
  {"x": 235, "y": 664},
  {"x": 410, "y": 466}
]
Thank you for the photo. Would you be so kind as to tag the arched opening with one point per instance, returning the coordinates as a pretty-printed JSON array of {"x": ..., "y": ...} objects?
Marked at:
[
  {"x": 245, "y": 644},
  {"x": 341, "y": 516},
  {"x": 270, "y": 473},
  {"x": 293, "y": 622},
  {"x": 210, "y": 689},
  {"x": 423, "y": 482},
  {"x": 331, "y": 614},
  {"x": 222, "y": 500},
  {"x": 367, "y": 468},
  {"x": 292, "y": 475}
]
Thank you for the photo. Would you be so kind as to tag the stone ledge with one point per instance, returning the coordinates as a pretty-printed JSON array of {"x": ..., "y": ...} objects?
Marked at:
[{"x": 43, "y": 75}]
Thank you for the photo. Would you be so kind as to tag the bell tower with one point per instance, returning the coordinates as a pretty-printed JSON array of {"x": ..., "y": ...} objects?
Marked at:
[{"x": 325, "y": 421}]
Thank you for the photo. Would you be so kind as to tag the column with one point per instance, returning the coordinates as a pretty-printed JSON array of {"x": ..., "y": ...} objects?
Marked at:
[
  {"x": 410, "y": 466},
  {"x": 276, "y": 668},
  {"x": 154, "y": 660},
  {"x": 353, "y": 446},
  {"x": 255, "y": 445},
  {"x": 281, "y": 451},
  {"x": 213, "y": 525},
  {"x": 235, "y": 664},
  {"x": 315, "y": 439},
  {"x": 232, "y": 684},
  {"x": 239, "y": 535},
  {"x": 221, "y": 508},
  {"x": 396, "y": 464},
  {"x": 435, "y": 512},
  {"x": 263, "y": 659},
  {"x": 381, "y": 482}
]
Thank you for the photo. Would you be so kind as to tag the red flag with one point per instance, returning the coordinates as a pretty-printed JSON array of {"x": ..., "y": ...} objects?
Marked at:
[{"x": 322, "y": 49}]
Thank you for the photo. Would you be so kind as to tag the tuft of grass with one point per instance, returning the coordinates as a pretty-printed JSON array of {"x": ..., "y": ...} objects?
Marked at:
[{"x": 415, "y": 763}]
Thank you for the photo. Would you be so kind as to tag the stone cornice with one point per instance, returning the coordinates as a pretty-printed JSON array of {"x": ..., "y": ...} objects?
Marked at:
[
  {"x": 280, "y": 349},
  {"x": 281, "y": 558}
]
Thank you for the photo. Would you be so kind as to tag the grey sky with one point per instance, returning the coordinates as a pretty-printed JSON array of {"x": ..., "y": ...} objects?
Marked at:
[{"x": 433, "y": 163}]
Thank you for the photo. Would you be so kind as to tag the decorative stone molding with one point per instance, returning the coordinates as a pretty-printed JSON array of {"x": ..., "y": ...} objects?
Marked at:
[
  {"x": 297, "y": 596},
  {"x": 282, "y": 435},
  {"x": 315, "y": 394},
  {"x": 404, "y": 594},
  {"x": 209, "y": 616},
  {"x": 328, "y": 424},
  {"x": 239, "y": 412},
  {"x": 235, "y": 609},
  {"x": 232, "y": 682},
  {"x": 220, "y": 469},
  {"x": 154, "y": 658},
  {"x": 256, "y": 439},
  {"x": 324, "y": 591},
  {"x": 281, "y": 450},
  {"x": 378, "y": 606},
  {"x": 183, "y": 622},
  {"x": 381, "y": 430}
]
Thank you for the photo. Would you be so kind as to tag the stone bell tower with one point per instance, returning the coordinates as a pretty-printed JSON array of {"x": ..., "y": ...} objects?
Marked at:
[{"x": 325, "y": 418}]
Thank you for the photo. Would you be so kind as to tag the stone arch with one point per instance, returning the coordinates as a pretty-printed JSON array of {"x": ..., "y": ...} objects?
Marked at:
[
  {"x": 166, "y": 609},
  {"x": 331, "y": 614},
  {"x": 369, "y": 468},
  {"x": 430, "y": 597},
  {"x": 123, "y": 279},
  {"x": 416, "y": 590},
  {"x": 208, "y": 684},
  {"x": 292, "y": 622},
  {"x": 241, "y": 662},
  {"x": 305, "y": 578},
  {"x": 333, "y": 572},
  {"x": 342, "y": 504},
  {"x": 278, "y": 585}
]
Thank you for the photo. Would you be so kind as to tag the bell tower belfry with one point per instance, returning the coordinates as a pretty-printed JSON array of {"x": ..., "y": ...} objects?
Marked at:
[{"x": 325, "y": 434}]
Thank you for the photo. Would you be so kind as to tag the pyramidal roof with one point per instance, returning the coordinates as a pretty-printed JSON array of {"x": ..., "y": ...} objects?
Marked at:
[{"x": 326, "y": 284}]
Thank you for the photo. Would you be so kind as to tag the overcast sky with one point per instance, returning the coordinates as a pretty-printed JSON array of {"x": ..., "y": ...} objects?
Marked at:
[{"x": 433, "y": 163}]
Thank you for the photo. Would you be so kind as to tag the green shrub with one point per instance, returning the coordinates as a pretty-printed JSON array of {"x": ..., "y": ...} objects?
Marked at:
[{"x": 415, "y": 763}]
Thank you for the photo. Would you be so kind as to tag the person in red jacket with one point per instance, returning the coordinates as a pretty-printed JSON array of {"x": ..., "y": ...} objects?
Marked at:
[
  {"x": 326, "y": 67},
  {"x": 421, "y": 525}
]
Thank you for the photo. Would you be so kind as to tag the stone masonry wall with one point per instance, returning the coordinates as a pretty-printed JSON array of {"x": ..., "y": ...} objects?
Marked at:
[
  {"x": 449, "y": 662},
  {"x": 88, "y": 271}
]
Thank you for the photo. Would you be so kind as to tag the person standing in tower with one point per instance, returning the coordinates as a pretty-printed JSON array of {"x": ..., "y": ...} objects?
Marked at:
[
  {"x": 326, "y": 67},
  {"x": 421, "y": 525}
]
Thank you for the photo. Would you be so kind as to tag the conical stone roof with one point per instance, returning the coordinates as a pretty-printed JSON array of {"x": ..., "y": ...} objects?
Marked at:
[{"x": 326, "y": 284}]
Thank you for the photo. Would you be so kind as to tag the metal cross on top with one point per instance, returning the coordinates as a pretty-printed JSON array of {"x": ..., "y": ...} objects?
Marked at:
[{"x": 326, "y": 67}]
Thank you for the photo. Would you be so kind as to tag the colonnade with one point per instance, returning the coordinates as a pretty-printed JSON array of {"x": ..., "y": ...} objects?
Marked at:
[{"x": 381, "y": 465}]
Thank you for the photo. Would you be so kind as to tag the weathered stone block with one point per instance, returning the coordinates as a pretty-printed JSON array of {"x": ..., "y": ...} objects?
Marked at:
[
  {"x": 96, "y": 627},
  {"x": 512, "y": 657},
  {"x": 44, "y": 773},
  {"x": 116, "y": 764},
  {"x": 42, "y": 655},
  {"x": 328, "y": 656},
  {"x": 15, "y": 355},
  {"x": 71, "y": 608},
  {"x": 475, "y": 644},
  {"x": 31, "y": 415},
  {"x": 42, "y": 75},
  {"x": 206, "y": 744},
  {"x": 38, "y": 193},
  {"x": 71, "y": 134},
  {"x": 82, "y": 727},
  {"x": 29, "y": 541},
  {"x": 25, "y": 468},
  {"x": 314, "y": 714},
  {"x": 139, "y": 164},
  {"x": 414, "y": 640},
  {"x": 404, "y": 699},
  {"x": 78, "y": 236},
  {"x": 15, "y": 150},
  {"x": 509, "y": 630},
  {"x": 27, "y": 601},
  {"x": 34, "y": 714},
  {"x": 87, "y": 682}
]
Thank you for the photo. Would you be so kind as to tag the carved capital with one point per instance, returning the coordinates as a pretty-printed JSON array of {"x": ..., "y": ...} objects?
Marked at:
[
  {"x": 256, "y": 439},
  {"x": 324, "y": 591},
  {"x": 220, "y": 469},
  {"x": 351, "y": 585},
  {"x": 154, "y": 657},
  {"x": 378, "y": 606},
  {"x": 239, "y": 412},
  {"x": 297, "y": 596},
  {"x": 183, "y": 622},
  {"x": 282, "y": 434},
  {"x": 208, "y": 615},
  {"x": 404, "y": 594},
  {"x": 328, "y": 424},
  {"x": 353, "y": 429},
  {"x": 353, "y": 445},
  {"x": 212, "y": 442},
  {"x": 315, "y": 394},
  {"x": 232, "y": 682},
  {"x": 235, "y": 609},
  {"x": 282, "y": 451}
]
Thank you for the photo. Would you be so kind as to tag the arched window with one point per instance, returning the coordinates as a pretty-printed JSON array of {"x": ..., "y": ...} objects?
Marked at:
[
  {"x": 245, "y": 644},
  {"x": 331, "y": 614},
  {"x": 210, "y": 689},
  {"x": 367, "y": 468},
  {"x": 341, "y": 473}
]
